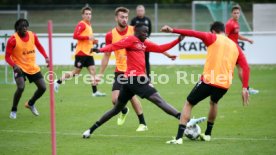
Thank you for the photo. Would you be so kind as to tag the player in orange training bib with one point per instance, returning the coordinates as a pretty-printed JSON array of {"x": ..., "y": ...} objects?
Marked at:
[{"x": 21, "y": 55}]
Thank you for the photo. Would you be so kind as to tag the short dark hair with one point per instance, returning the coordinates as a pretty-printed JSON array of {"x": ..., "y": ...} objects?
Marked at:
[
  {"x": 139, "y": 25},
  {"x": 87, "y": 7},
  {"x": 217, "y": 27},
  {"x": 121, "y": 9},
  {"x": 20, "y": 21},
  {"x": 236, "y": 8}
]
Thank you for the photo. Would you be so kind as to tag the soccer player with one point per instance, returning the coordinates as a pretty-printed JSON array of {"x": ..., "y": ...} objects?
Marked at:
[
  {"x": 136, "y": 82},
  {"x": 232, "y": 31},
  {"x": 83, "y": 57},
  {"x": 20, "y": 54},
  {"x": 141, "y": 18},
  {"x": 222, "y": 54},
  {"x": 121, "y": 31}
]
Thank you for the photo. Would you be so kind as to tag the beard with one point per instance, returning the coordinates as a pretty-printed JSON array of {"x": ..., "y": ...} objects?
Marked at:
[
  {"x": 22, "y": 33},
  {"x": 121, "y": 25}
]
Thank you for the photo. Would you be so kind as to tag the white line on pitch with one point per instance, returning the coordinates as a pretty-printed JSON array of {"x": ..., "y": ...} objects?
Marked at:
[{"x": 131, "y": 136}]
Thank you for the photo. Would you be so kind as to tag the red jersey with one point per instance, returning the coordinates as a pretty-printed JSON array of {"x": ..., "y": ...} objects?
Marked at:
[
  {"x": 12, "y": 43},
  {"x": 135, "y": 50},
  {"x": 232, "y": 29}
]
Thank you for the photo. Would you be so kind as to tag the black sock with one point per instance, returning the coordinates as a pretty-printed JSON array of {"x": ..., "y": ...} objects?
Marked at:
[
  {"x": 59, "y": 81},
  {"x": 14, "y": 109},
  {"x": 180, "y": 132},
  {"x": 209, "y": 128},
  {"x": 141, "y": 119},
  {"x": 178, "y": 116},
  {"x": 94, "y": 89},
  {"x": 94, "y": 127},
  {"x": 124, "y": 111},
  {"x": 31, "y": 103}
]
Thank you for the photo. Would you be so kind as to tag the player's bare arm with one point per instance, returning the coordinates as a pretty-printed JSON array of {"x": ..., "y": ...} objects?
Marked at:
[{"x": 246, "y": 39}]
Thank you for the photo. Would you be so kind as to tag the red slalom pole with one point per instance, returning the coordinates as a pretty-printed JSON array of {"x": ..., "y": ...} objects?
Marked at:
[{"x": 52, "y": 95}]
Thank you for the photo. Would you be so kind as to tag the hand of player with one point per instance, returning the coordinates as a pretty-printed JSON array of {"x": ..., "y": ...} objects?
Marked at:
[
  {"x": 172, "y": 57},
  {"x": 17, "y": 69},
  {"x": 181, "y": 37},
  {"x": 96, "y": 50},
  {"x": 99, "y": 77},
  {"x": 245, "y": 96},
  {"x": 166, "y": 28},
  {"x": 95, "y": 41},
  {"x": 250, "y": 41},
  {"x": 47, "y": 61}
]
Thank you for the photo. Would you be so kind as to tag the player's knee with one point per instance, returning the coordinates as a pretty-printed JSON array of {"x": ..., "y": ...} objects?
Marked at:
[
  {"x": 191, "y": 101},
  {"x": 114, "y": 101},
  {"x": 76, "y": 72},
  {"x": 20, "y": 88},
  {"x": 42, "y": 88},
  {"x": 116, "y": 110}
]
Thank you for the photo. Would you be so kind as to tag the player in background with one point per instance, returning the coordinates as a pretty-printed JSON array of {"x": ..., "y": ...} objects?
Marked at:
[
  {"x": 121, "y": 31},
  {"x": 222, "y": 54},
  {"x": 20, "y": 54},
  {"x": 141, "y": 18},
  {"x": 137, "y": 81},
  {"x": 232, "y": 31},
  {"x": 83, "y": 57}
]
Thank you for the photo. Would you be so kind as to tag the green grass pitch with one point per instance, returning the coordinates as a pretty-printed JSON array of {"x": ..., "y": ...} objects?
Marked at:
[{"x": 238, "y": 130}]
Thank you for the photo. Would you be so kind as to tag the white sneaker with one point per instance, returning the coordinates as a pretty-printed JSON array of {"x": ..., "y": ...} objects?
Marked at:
[
  {"x": 98, "y": 94},
  {"x": 13, "y": 115},
  {"x": 175, "y": 141},
  {"x": 56, "y": 86},
  {"x": 86, "y": 134},
  {"x": 195, "y": 121},
  {"x": 252, "y": 91},
  {"x": 204, "y": 137},
  {"x": 142, "y": 127},
  {"x": 32, "y": 108}
]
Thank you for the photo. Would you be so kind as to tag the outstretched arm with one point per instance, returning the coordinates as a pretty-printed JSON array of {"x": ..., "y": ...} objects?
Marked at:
[
  {"x": 172, "y": 57},
  {"x": 246, "y": 39},
  {"x": 207, "y": 38},
  {"x": 124, "y": 43},
  {"x": 150, "y": 46}
]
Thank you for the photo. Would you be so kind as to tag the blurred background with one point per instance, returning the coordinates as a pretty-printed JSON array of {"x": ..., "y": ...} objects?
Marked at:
[
  {"x": 178, "y": 13},
  {"x": 257, "y": 21}
]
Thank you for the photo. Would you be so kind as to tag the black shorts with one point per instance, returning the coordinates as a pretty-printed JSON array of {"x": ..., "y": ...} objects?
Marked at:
[
  {"x": 84, "y": 61},
  {"x": 119, "y": 79},
  {"x": 137, "y": 85},
  {"x": 31, "y": 77},
  {"x": 202, "y": 90}
]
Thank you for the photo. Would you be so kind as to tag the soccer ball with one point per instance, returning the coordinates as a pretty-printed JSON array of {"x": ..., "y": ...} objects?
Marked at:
[{"x": 192, "y": 132}]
